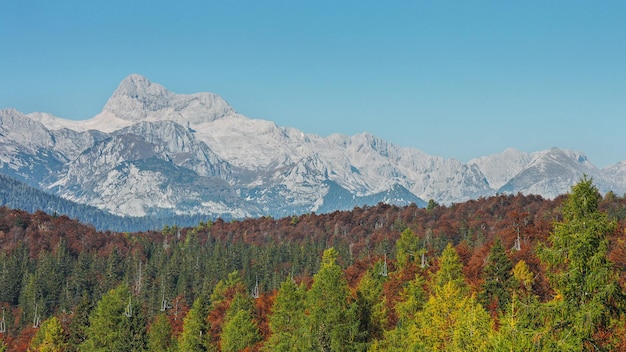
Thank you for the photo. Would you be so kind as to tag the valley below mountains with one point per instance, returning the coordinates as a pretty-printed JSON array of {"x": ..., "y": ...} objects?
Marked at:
[{"x": 152, "y": 152}]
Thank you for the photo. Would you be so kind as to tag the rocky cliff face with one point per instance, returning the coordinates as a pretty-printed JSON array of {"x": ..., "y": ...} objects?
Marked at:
[{"x": 154, "y": 152}]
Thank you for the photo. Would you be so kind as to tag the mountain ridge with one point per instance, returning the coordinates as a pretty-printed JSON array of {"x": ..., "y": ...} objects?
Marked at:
[{"x": 143, "y": 153}]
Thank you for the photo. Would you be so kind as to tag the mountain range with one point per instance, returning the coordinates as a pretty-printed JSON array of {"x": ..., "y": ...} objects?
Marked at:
[{"x": 152, "y": 152}]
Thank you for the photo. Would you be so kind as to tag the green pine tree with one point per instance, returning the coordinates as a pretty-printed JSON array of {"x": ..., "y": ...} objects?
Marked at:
[
  {"x": 331, "y": 312},
  {"x": 109, "y": 328},
  {"x": 406, "y": 247},
  {"x": 578, "y": 270},
  {"x": 239, "y": 331},
  {"x": 452, "y": 319},
  {"x": 50, "y": 337},
  {"x": 194, "y": 336},
  {"x": 498, "y": 276},
  {"x": 160, "y": 335},
  {"x": 287, "y": 320}
]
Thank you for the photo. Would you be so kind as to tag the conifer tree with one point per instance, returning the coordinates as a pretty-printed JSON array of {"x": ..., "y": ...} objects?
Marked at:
[
  {"x": 287, "y": 320},
  {"x": 239, "y": 331},
  {"x": 79, "y": 323},
  {"x": 371, "y": 308},
  {"x": 50, "y": 337},
  {"x": 110, "y": 329},
  {"x": 520, "y": 321},
  {"x": 331, "y": 314},
  {"x": 498, "y": 284},
  {"x": 452, "y": 320},
  {"x": 160, "y": 335},
  {"x": 221, "y": 299},
  {"x": 406, "y": 247},
  {"x": 411, "y": 301},
  {"x": 578, "y": 270},
  {"x": 194, "y": 336}
]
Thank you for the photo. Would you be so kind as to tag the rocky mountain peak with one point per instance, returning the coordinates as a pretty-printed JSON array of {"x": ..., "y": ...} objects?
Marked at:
[
  {"x": 139, "y": 87},
  {"x": 138, "y": 99},
  {"x": 135, "y": 97}
]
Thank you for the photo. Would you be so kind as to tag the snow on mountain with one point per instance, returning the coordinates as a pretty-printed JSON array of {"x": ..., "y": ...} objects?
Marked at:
[
  {"x": 128, "y": 174},
  {"x": 617, "y": 174},
  {"x": 553, "y": 172},
  {"x": 500, "y": 168},
  {"x": 17, "y": 127},
  {"x": 137, "y": 99},
  {"x": 26, "y": 149},
  {"x": 154, "y": 152}
]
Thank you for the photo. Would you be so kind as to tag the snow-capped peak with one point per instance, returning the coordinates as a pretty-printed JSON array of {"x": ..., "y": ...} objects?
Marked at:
[
  {"x": 137, "y": 99},
  {"x": 136, "y": 96}
]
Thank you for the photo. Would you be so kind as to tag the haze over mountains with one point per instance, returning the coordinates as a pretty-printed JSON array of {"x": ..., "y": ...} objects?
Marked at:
[{"x": 152, "y": 152}]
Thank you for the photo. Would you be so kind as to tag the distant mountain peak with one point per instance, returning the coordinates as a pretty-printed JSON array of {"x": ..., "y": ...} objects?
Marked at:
[
  {"x": 135, "y": 97},
  {"x": 139, "y": 87},
  {"x": 138, "y": 99}
]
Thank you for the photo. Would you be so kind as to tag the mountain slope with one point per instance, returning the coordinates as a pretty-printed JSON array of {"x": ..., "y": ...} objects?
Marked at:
[
  {"x": 552, "y": 172},
  {"x": 154, "y": 152}
]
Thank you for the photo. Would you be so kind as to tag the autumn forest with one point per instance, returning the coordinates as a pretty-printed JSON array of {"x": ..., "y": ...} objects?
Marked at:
[{"x": 504, "y": 273}]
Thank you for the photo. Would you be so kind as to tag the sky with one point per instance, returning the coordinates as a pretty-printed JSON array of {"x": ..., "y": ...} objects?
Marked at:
[{"x": 457, "y": 79}]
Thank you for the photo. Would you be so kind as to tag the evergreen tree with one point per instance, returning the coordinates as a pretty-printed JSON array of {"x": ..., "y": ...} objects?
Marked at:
[
  {"x": 331, "y": 314},
  {"x": 521, "y": 320},
  {"x": 450, "y": 269},
  {"x": 160, "y": 335},
  {"x": 520, "y": 325},
  {"x": 194, "y": 336},
  {"x": 287, "y": 320},
  {"x": 452, "y": 320},
  {"x": 371, "y": 309},
  {"x": 239, "y": 331},
  {"x": 523, "y": 278},
  {"x": 109, "y": 327},
  {"x": 406, "y": 247},
  {"x": 79, "y": 323},
  {"x": 498, "y": 284},
  {"x": 221, "y": 299},
  {"x": 578, "y": 270},
  {"x": 411, "y": 301},
  {"x": 50, "y": 337}
]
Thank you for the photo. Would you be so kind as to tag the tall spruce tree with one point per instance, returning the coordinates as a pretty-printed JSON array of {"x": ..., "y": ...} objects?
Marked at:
[
  {"x": 578, "y": 270},
  {"x": 406, "y": 247},
  {"x": 194, "y": 336},
  {"x": 239, "y": 331},
  {"x": 287, "y": 320},
  {"x": 160, "y": 335},
  {"x": 50, "y": 337},
  {"x": 331, "y": 313},
  {"x": 498, "y": 285},
  {"x": 110, "y": 329},
  {"x": 452, "y": 319}
]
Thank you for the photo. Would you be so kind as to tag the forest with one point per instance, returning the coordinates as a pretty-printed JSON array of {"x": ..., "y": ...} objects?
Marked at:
[{"x": 503, "y": 273}]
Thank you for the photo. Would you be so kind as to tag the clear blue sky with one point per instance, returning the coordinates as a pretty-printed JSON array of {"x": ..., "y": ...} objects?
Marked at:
[{"x": 458, "y": 79}]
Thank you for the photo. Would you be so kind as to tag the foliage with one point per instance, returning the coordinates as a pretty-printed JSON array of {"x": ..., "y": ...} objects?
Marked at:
[
  {"x": 194, "y": 336},
  {"x": 331, "y": 312},
  {"x": 160, "y": 335},
  {"x": 239, "y": 331},
  {"x": 111, "y": 328},
  {"x": 452, "y": 320},
  {"x": 54, "y": 267},
  {"x": 50, "y": 337},
  {"x": 287, "y": 320},
  {"x": 406, "y": 247},
  {"x": 578, "y": 269},
  {"x": 498, "y": 276}
]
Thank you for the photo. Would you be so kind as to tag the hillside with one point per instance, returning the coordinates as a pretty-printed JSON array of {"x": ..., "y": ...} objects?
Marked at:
[{"x": 57, "y": 267}]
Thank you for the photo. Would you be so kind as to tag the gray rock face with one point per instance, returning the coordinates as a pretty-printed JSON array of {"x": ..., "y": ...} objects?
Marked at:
[{"x": 155, "y": 152}]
